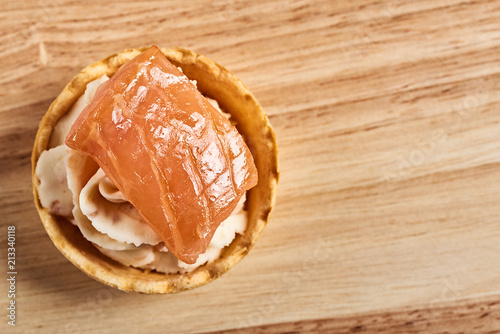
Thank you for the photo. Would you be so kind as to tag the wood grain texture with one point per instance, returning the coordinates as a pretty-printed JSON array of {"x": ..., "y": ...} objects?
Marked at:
[
  {"x": 387, "y": 115},
  {"x": 458, "y": 317}
]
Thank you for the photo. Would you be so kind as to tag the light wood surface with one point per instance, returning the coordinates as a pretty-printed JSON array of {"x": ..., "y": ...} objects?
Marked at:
[{"x": 387, "y": 115}]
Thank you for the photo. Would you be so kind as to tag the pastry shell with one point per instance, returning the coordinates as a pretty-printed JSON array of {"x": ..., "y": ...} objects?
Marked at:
[{"x": 213, "y": 81}]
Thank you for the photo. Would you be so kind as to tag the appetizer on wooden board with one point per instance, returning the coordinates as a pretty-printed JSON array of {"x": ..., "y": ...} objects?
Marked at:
[{"x": 155, "y": 170}]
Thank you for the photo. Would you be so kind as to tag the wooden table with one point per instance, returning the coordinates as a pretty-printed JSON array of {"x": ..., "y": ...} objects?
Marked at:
[{"x": 387, "y": 115}]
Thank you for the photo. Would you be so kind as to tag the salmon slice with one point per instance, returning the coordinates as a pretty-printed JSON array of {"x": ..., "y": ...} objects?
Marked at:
[{"x": 175, "y": 157}]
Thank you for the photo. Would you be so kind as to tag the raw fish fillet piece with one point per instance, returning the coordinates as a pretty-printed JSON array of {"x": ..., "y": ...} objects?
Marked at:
[{"x": 175, "y": 157}]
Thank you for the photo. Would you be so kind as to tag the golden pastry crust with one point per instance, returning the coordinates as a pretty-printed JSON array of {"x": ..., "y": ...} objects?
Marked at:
[{"x": 213, "y": 81}]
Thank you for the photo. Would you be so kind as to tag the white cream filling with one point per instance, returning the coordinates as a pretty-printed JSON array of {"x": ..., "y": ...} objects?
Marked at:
[{"x": 73, "y": 185}]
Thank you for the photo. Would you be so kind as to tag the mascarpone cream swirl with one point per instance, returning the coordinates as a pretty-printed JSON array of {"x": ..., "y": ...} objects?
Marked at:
[{"x": 72, "y": 185}]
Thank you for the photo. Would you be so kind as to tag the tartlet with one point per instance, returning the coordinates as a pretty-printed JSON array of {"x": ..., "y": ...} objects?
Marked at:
[{"x": 213, "y": 81}]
